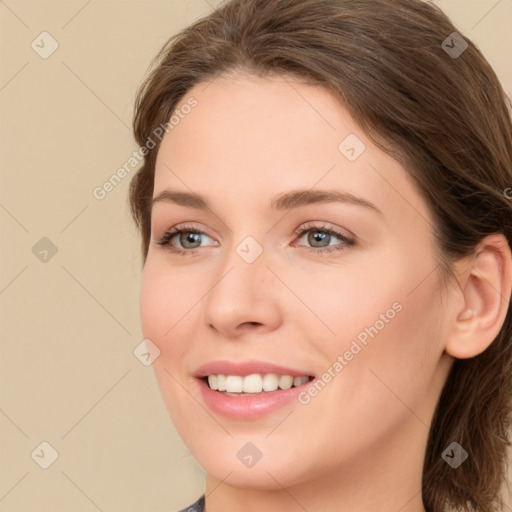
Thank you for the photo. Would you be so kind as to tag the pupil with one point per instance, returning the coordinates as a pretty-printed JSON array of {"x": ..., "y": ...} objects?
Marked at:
[{"x": 190, "y": 237}]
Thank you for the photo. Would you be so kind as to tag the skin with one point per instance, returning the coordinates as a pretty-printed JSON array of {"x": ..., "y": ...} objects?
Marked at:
[{"x": 360, "y": 442}]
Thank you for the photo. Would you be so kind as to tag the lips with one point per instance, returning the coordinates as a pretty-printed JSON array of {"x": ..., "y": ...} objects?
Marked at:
[{"x": 248, "y": 406}]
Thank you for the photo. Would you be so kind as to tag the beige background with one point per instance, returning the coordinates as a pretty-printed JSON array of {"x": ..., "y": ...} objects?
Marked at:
[{"x": 70, "y": 324}]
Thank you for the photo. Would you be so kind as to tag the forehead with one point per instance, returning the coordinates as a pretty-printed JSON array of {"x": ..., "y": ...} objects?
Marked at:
[
  {"x": 248, "y": 135},
  {"x": 253, "y": 125}
]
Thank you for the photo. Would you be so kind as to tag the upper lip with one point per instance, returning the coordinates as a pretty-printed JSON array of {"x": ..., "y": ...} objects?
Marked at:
[{"x": 244, "y": 368}]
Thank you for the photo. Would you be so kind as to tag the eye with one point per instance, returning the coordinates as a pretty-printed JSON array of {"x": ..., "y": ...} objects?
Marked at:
[
  {"x": 188, "y": 237},
  {"x": 320, "y": 238}
]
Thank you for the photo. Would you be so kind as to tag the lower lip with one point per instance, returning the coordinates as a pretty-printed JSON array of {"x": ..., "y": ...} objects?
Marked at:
[{"x": 249, "y": 407}]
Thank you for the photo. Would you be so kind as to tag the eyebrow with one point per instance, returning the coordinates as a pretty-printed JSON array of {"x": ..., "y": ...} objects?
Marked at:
[{"x": 284, "y": 201}]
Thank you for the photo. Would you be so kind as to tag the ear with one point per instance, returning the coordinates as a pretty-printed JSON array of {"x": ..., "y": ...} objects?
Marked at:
[{"x": 486, "y": 285}]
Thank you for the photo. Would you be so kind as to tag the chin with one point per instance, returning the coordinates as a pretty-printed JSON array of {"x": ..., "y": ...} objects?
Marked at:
[{"x": 236, "y": 462}]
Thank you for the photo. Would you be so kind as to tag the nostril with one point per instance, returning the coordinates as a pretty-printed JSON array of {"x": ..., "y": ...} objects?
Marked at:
[{"x": 256, "y": 324}]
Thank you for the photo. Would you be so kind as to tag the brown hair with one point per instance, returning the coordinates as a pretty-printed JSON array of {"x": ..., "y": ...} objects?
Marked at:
[{"x": 444, "y": 116}]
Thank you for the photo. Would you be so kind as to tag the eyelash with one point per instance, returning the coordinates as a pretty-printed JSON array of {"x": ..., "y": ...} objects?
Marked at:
[{"x": 165, "y": 240}]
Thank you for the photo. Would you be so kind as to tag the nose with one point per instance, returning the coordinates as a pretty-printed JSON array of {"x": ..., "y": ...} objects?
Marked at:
[{"x": 243, "y": 298}]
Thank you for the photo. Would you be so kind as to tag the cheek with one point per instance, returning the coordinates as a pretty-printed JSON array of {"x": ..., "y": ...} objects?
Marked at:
[
  {"x": 414, "y": 345},
  {"x": 346, "y": 297},
  {"x": 396, "y": 355},
  {"x": 385, "y": 381},
  {"x": 386, "y": 322},
  {"x": 169, "y": 310},
  {"x": 163, "y": 302},
  {"x": 152, "y": 304}
]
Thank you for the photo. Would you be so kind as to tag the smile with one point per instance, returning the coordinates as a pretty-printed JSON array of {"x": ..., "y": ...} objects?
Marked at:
[{"x": 239, "y": 385}]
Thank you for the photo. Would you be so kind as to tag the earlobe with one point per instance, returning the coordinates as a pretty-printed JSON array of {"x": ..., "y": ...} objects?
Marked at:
[{"x": 486, "y": 286}]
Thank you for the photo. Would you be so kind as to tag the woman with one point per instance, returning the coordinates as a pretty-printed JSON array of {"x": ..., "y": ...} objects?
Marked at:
[{"x": 327, "y": 269}]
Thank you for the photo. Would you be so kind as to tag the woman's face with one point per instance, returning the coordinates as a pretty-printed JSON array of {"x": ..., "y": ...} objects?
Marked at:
[{"x": 354, "y": 301}]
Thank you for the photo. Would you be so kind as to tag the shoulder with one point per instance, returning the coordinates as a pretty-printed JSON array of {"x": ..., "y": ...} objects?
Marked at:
[{"x": 198, "y": 506}]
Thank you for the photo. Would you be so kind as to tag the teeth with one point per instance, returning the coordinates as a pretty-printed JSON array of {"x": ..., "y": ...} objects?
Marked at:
[
  {"x": 285, "y": 382},
  {"x": 212, "y": 381},
  {"x": 254, "y": 383},
  {"x": 270, "y": 382},
  {"x": 234, "y": 383},
  {"x": 221, "y": 382}
]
